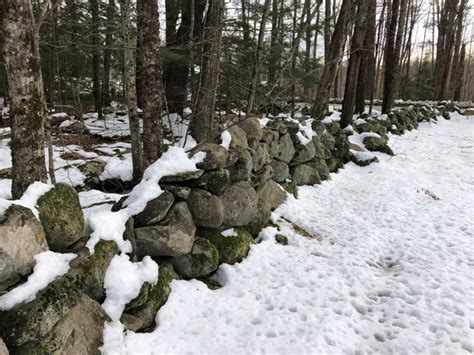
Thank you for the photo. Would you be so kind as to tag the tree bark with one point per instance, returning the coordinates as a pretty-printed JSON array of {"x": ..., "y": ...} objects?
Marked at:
[
  {"x": 176, "y": 68},
  {"x": 458, "y": 83},
  {"x": 95, "y": 35},
  {"x": 444, "y": 48},
  {"x": 152, "y": 86},
  {"x": 27, "y": 101},
  {"x": 108, "y": 52},
  {"x": 258, "y": 58},
  {"x": 366, "y": 78},
  {"x": 131, "y": 90},
  {"x": 355, "y": 58},
  {"x": 202, "y": 123},
  {"x": 341, "y": 30},
  {"x": 327, "y": 29},
  {"x": 272, "y": 61},
  {"x": 392, "y": 54}
]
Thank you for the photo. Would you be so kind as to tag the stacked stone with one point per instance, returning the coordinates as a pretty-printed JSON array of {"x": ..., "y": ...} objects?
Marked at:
[{"x": 202, "y": 219}]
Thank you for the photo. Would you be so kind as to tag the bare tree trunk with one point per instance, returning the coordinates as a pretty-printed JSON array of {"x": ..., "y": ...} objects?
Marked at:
[
  {"x": 392, "y": 54},
  {"x": 245, "y": 23},
  {"x": 272, "y": 62},
  {"x": 27, "y": 101},
  {"x": 444, "y": 47},
  {"x": 355, "y": 58},
  {"x": 457, "y": 48},
  {"x": 366, "y": 78},
  {"x": 76, "y": 99},
  {"x": 341, "y": 30},
  {"x": 327, "y": 29},
  {"x": 108, "y": 52},
  {"x": 131, "y": 92},
  {"x": 202, "y": 124},
  {"x": 151, "y": 77},
  {"x": 258, "y": 58},
  {"x": 96, "y": 89},
  {"x": 458, "y": 83}
]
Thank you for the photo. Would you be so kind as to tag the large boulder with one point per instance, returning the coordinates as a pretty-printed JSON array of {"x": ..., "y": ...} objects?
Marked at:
[
  {"x": 305, "y": 175},
  {"x": 61, "y": 215},
  {"x": 286, "y": 150},
  {"x": 21, "y": 238},
  {"x": 261, "y": 219},
  {"x": 239, "y": 137},
  {"x": 281, "y": 171},
  {"x": 215, "y": 181},
  {"x": 186, "y": 176},
  {"x": 144, "y": 308},
  {"x": 80, "y": 331},
  {"x": 32, "y": 322},
  {"x": 378, "y": 144},
  {"x": 95, "y": 266},
  {"x": 251, "y": 126},
  {"x": 155, "y": 210},
  {"x": 216, "y": 156},
  {"x": 271, "y": 193},
  {"x": 261, "y": 156},
  {"x": 206, "y": 209},
  {"x": 240, "y": 164},
  {"x": 321, "y": 167},
  {"x": 203, "y": 260},
  {"x": 240, "y": 204},
  {"x": 233, "y": 245},
  {"x": 174, "y": 235},
  {"x": 264, "y": 174},
  {"x": 304, "y": 153}
]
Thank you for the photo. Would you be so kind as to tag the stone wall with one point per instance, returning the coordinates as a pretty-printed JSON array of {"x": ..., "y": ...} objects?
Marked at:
[{"x": 202, "y": 219}]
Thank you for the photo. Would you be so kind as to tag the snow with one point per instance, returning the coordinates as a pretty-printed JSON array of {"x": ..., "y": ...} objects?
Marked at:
[
  {"x": 362, "y": 156},
  {"x": 383, "y": 267},
  {"x": 108, "y": 225},
  {"x": 49, "y": 266},
  {"x": 121, "y": 272},
  {"x": 5, "y": 189},
  {"x": 118, "y": 167},
  {"x": 226, "y": 138},
  {"x": 29, "y": 198},
  {"x": 229, "y": 233},
  {"x": 263, "y": 121}
]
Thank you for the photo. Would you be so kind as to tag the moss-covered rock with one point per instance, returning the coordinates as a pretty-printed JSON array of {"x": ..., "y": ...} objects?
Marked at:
[
  {"x": 61, "y": 216},
  {"x": 33, "y": 321},
  {"x": 80, "y": 331},
  {"x": 156, "y": 297},
  {"x": 232, "y": 249},
  {"x": 271, "y": 193},
  {"x": 261, "y": 219},
  {"x": 96, "y": 266},
  {"x": 203, "y": 260}
]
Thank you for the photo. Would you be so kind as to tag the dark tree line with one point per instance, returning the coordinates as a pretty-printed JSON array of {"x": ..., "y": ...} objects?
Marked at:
[{"x": 251, "y": 56}]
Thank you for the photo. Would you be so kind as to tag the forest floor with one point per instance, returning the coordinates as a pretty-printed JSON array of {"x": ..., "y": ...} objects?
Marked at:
[{"x": 379, "y": 260}]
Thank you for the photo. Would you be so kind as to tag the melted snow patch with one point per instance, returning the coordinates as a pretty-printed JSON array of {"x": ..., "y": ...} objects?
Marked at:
[{"x": 49, "y": 266}]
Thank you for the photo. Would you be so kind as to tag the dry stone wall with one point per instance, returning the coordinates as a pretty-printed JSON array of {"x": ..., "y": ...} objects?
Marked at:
[{"x": 203, "y": 219}]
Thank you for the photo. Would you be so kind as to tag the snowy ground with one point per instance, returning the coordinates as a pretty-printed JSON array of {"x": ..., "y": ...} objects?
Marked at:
[{"x": 386, "y": 266}]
